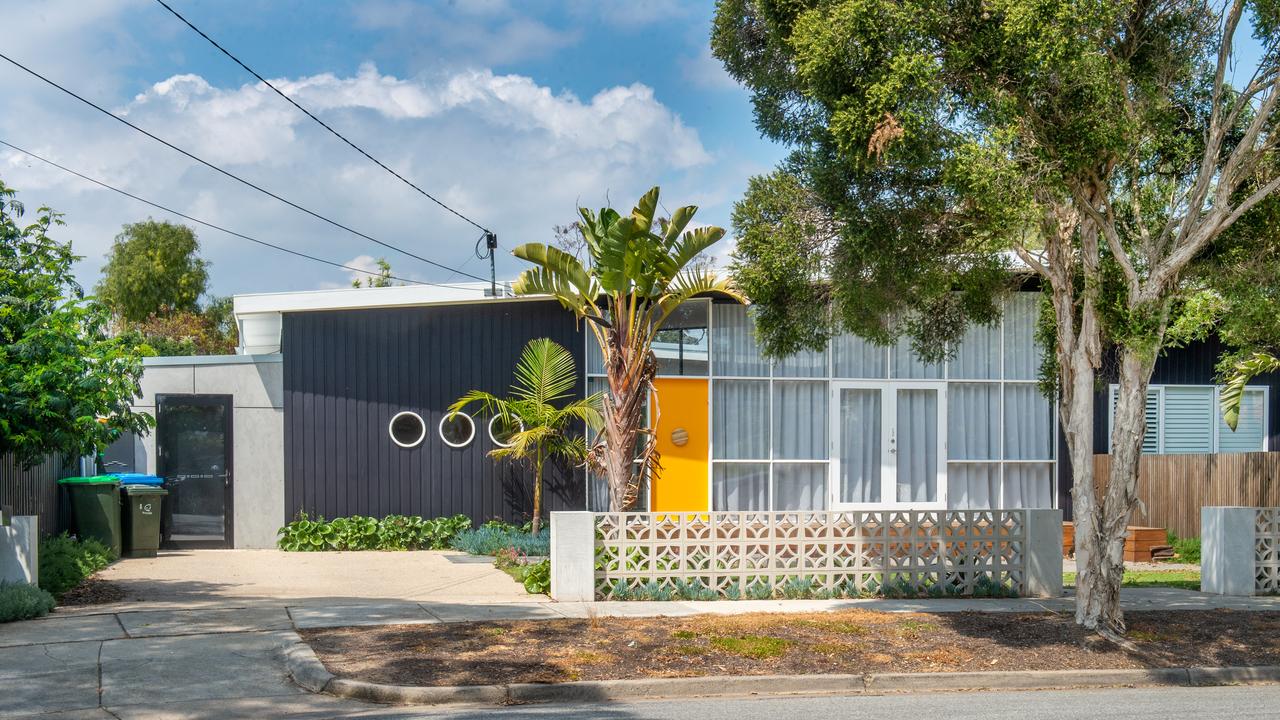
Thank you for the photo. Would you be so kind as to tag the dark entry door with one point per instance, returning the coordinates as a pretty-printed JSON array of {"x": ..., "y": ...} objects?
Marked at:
[{"x": 193, "y": 455}]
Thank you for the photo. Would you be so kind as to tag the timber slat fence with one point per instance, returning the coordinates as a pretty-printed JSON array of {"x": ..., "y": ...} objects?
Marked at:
[
  {"x": 33, "y": 491},
  {"x": 1173, "y": 488}
]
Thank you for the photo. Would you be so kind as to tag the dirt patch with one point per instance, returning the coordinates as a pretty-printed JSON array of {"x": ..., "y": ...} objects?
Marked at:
[
  {"x": 851, "y": 641},
  {"x": 92, "y": 591}
]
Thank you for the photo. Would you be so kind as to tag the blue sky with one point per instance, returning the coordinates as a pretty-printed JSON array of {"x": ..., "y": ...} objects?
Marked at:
[{"x": 512, "y": 111}]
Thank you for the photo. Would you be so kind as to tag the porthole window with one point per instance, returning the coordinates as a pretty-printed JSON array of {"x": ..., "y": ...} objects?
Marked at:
[
  {"x": 457, "y": 429},
  {"x": 501, "y": 431},
  {"x": 407, "y": 429}
]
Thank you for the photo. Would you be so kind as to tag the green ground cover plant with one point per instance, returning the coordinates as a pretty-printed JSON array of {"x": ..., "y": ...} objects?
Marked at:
[
  {"x": 20, "y": 601},
  {"x": 1185, "y": 550},
  {"x": 66, "y": 561},
  {"x": 534, "y": 576},
  {"x": 1184, "y": 579},
  {"x": 492, "y": 537},
  {"x": 358, "y": 532},
  {"x": 802, "y": 587}
]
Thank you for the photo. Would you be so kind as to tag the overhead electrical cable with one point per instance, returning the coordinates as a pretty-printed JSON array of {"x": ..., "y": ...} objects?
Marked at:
[
  {"x": 207, "y": 224},
  {"x": 322, "y": 123},
  {"x": 231, "y": 175}
]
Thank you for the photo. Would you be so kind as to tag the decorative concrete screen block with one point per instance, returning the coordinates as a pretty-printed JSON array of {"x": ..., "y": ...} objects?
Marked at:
[
  {"x": 19, "y": 548},
  {"x": 827, "y": 554},
  {"x": 1238, "y": 553},
  {"x": 1266, "y": 552}
]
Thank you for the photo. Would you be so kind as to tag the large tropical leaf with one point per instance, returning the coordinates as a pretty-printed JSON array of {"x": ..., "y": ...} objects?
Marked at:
[
  {"x": 560, "y": 264},
  {"x": 1244, "y": 371},
  {"x": 678, "y": 222},
  {"x": 645, "y": 209},
  {"x": 544, "y": 373},
  {"x": 689, "y": 285},
  {"x": 689, "y": 246}
]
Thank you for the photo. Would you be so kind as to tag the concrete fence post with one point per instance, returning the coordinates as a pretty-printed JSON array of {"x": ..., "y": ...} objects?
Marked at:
[
  {"x": 573, "y": 556},
  {"x": 19, "y": 550},
  {"x": 1227, "y": 550},
  {"x": 1043, "y": 553}
]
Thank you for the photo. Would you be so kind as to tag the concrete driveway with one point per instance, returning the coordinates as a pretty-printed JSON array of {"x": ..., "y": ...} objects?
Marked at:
[{"x": 264, "y": 578}]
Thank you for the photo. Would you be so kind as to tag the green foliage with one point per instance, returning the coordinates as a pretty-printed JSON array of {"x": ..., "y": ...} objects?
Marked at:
[
  {"x": 382, "y": 279},
  {"x": 358, "y": 532},
  {"x": 65, "y": 383},
  {"x": 491, "y": 539},
  {"x": 66, "y": 561},
  {"x": 758, "y": 647},
  {"x": 1185, "y": 550},
  {"x": 153, "y": 268},
  {"x": 537, "y": 577},
  {"x": 20, "y": 601},
  {"x": 542, "y": 408}
]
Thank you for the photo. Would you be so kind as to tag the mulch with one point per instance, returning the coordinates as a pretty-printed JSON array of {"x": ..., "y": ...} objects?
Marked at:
[
  {"x": 850, "y": 641},
  {"x": 92, "y": 591}
]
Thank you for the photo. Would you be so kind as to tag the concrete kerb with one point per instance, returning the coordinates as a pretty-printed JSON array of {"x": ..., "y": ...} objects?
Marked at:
[{"x": 307, "y": 671}]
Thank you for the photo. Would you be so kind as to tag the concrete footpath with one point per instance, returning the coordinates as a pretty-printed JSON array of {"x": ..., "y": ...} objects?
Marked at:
[{"x": 140, "y": 661}]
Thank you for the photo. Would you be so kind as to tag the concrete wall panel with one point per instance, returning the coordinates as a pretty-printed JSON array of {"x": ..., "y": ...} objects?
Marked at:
[{"x": 258, "y": 476}]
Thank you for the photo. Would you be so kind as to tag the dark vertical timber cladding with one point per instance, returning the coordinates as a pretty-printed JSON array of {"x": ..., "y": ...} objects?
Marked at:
[
  {"x": 346, "y": 373},
  {"x": 34, "y": 490},
  {"x": 1195, "y": 364}
]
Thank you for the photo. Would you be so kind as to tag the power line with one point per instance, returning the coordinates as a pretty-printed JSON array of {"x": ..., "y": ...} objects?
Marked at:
[
  {"x": 233, "y": 176},
  {"x": 322, "y": 123},
  {"x": 205, "y": 223}
]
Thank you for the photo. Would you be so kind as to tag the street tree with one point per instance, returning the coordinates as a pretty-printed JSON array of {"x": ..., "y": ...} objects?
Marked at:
[
  {"x": 153, "y": 268},
  {"x": 1106, "y": 145}
]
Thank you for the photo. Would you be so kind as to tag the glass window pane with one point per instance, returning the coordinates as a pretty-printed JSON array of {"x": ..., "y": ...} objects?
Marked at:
[
  {"x": 800, "y": 420},
  {"x": 978, "y": 356},
  {"x": 806, "y": 363},
  {"x": 799, "y": 486},
  {"x": 854, "y": 357},
  {"x": 734, "y": 350},
  {"x": 1188, "y": 419},
  {"x": 973, "y": 421},
  {"x": 740, "y": 486},
  {"x": 860, "y": 449},
  {"x": 1021, "y": 355},
  {"x": 917, "y": 445},
  {"x": 682, "y": 344},
  {"x": 1028, "y": 485},
  {"x": 597, "y": 493},
  {"x": 595, "y": 360},
  {"x": 1028, "y": 423},
  {"x": 740, "y": 419},
  {"x": 973, "y": 486},
  {"x": 1251, "y": 432},
  {"x": 905, "y": 364}
]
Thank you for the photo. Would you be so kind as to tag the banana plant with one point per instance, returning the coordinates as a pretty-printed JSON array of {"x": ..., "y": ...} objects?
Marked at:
[
  {"x": 1241, "y": 373},
  {"x": 637, "y": 274}
]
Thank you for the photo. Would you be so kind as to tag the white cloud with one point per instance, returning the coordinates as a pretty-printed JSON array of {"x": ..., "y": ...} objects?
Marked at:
[{"x": 705, "y": 71}]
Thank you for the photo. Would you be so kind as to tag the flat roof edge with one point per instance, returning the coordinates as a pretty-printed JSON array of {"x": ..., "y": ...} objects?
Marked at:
[{"x": 187, "y": 360}]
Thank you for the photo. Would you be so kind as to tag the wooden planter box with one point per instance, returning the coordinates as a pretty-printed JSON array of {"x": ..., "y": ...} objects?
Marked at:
[{"x": 1138, "y": 543}]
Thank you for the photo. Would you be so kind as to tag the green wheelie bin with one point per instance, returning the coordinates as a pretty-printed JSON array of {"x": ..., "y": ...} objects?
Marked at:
[
  {"x": 95, "y": 508},
  {"x": 141, "y": 515}
]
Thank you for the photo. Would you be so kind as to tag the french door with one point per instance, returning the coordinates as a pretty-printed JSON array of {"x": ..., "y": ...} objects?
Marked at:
[{"x": 888, "y": 445}]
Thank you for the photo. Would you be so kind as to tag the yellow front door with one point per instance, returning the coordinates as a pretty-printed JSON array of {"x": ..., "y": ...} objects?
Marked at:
[{"x": 683, "y": 442}]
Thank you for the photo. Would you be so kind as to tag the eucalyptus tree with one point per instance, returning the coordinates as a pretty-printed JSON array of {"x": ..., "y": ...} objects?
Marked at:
[
  {"x": 542, "y": 407},
  {"x": 1104, "y": 144},
  {"x": 637, "y": 272}
]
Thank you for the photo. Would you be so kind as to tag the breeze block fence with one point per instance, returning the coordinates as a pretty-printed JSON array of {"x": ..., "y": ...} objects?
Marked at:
[
  {"x": 1240, "y": 550},
  {"x": 741, "y": 555}
]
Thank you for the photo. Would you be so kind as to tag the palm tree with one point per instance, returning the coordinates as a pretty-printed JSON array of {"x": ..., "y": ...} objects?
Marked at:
[
  {"x": 544, "y": 378},
  {"x": 634, "y": 280}
]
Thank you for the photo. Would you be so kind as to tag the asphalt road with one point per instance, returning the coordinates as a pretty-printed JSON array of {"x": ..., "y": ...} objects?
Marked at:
[{"x": 1236, "y": 703}]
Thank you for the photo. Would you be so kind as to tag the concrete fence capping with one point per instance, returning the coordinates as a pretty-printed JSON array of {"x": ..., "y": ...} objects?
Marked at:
[
  {"x": 824, "y": 553},
  {"x": 19, "y": 550},
  {"x": 1240, "y": 550}
]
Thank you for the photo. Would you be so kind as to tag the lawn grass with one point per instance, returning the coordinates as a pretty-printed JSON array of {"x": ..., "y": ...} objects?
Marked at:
[{"x": 1184, "y": 579}]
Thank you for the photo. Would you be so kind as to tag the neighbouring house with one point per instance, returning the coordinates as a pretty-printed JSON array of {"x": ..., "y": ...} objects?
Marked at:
[{"x": 336, "y": 405}]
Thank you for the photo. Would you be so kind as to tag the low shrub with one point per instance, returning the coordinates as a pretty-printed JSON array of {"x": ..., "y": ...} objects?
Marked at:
[
  {"x": 537, "y": 577},
  {"x": 804, "y": 587},
  {"x": 358, "y": 532},
  {"x": 66, "y": 561},
  {"x": 1185, "y": 550},
  {"x": 20, "y": 601},
  {"x": 490, "y": 538}
]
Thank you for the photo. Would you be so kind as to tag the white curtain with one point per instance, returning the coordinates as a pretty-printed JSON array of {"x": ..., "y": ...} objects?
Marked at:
[
  {"x": 853, "y": 357},
  {"x": 860, "y": 445},
  {"x": 1028, "y": 485},
  {"x": 799, "y": 486},
  {"x": 740, "y": 419},
  {"x": 1028, "y": 423},
  {"x": 917, "y": 455},
  {"x": 973, "y": 421},
  {"x": 595, "y": 357},
  {"x": 906, "y": 365},
  {"x": 734, "y": 350},
  {"x": 800, "y": 420},
  {"x": 740, "y": 486},
  {"x": 806, "y": 363},
  {"x": 1021, "y": 355},
  {"x": 973, "y": 485},
  {"x": 978, "y": 356}
]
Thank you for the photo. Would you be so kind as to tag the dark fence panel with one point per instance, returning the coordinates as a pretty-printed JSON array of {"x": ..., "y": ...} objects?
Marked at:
[
  {"x": 348, "y": 372},
  {"x": 34, "y": 490}
]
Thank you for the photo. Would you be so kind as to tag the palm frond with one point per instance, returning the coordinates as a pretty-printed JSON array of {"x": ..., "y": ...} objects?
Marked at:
[
  {"x": 545, "y": 372},
  {"x": 1244, "y": 371}
]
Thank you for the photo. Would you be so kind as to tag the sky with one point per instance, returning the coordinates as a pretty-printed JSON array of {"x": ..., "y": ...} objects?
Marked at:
[{"x": 512, "y": 112}]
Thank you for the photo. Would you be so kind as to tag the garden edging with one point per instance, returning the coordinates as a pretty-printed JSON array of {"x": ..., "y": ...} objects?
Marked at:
[{"x": 307, "y": 671}]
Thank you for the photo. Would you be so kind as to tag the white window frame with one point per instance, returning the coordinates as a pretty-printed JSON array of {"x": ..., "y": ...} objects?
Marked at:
[
  {"x": 421, "y": 423},
  {"x": 494, "y": 438},
  {"x": 470, "y": 421},
  {"x": 1216, "y": 404}
]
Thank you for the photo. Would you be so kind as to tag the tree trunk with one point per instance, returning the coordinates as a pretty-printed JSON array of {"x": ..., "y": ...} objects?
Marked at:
[
  {"x": 630, "y": 375},
  {"x": 537, "y": 491}
]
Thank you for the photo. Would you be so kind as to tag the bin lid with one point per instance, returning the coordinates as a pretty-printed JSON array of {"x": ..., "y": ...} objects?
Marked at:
[
  {"x": 144, "y": 490},
  {"x": 138, "y": 478},
  {"x": 91, "y": 480}
]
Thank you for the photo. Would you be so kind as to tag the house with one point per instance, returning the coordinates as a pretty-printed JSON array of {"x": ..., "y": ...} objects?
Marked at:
[{"x": 336, "y": 406}]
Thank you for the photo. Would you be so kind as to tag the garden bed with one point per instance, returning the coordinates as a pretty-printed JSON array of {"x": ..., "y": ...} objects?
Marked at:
[{"x": 850, "y": 641}]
